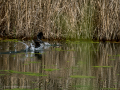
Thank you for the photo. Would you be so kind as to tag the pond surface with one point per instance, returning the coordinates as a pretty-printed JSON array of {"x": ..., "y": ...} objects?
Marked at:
[{"x": 78, "y": 65}]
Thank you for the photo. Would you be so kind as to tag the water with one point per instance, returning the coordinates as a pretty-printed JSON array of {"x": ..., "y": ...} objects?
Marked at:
[{"x": 78, "y": 65}]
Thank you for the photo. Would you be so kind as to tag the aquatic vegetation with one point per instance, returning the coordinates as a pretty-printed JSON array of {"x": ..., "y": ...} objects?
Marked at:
[
  {"x": 50, "y": 69},
  {"x": 21, "y": 89},
  {"x": 67, "y": 41},
  {"x": 102, "y": 66},
  {"x": 34, "y": 82},
  {"x": 2, "y": 74},
  {"x": 111, "y": 59},
  {"x": 34, "y": 74},
  {"x": 108, "y": 88},
  {"x": 10, "y": 40},
  {"x": 94, "y": 42},
  {"x": 78, "y": 76},
  {"x": 58, "y": 49},
  {"x": 31, "y": 62},
  {"x": 13, "y": 56},
  {"x": 24, "y": 73}
]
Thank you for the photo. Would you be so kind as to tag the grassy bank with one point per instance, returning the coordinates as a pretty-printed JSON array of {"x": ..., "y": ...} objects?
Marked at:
[{"x": 86, "y": 19}]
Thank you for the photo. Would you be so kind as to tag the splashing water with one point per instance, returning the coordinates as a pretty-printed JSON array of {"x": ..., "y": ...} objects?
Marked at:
[
  {"x": 24, "y": 44},
  {"x": 32, "y": 46},
  {"x": 46, "y": 44}
]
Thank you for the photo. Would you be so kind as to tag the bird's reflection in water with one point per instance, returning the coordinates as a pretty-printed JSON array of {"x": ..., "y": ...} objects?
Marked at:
[
  {"x": 38, "y": 53},
  {"x": 39, "y": 56}
]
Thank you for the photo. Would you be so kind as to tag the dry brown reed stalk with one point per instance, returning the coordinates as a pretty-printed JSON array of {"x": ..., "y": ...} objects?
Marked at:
[
  {"x": 55, "y": 18},
  {"x": 60, "y": 19},
  {"x": 108, "y": 19}
]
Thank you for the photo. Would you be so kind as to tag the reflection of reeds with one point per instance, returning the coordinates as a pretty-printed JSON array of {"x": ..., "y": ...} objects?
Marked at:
[
  {"x": 76, "y": 60},
  {"x": 107, "y": 60},
  {"x": 65, "y": 62},
  {"x": 57, "y": 19}
]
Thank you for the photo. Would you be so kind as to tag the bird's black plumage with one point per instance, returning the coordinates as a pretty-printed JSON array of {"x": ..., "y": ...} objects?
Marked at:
[
  {"x": 38, "y": 41},
  {"x": 40, "y": 35}
]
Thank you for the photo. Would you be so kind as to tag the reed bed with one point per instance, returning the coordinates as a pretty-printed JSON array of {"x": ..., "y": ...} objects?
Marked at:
[{"x": 86, "y": 19}]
